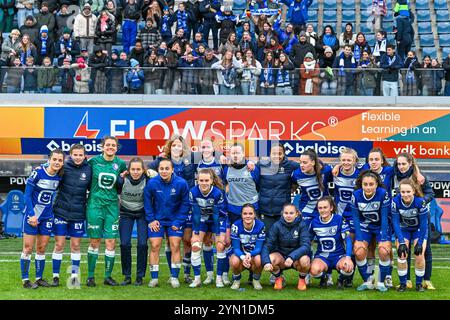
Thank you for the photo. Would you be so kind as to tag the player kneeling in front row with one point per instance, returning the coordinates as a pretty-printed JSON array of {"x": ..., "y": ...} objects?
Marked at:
[
  {"x": 331, "y": 231},
  {"x": 247, "y": 238},
  {"x": 288, "y": 245},
  {"x": 409, "y": 219}
]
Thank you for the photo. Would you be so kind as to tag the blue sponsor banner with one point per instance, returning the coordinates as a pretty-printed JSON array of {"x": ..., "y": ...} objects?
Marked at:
[
  {"x": 92, "y": 146},
  {"x": 325, "y": 149}
]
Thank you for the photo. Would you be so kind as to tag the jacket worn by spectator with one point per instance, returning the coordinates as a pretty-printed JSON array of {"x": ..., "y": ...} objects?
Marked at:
[
  {"x": 105, "y": 32},
  {"x": 446, "y": 66},
  {"x": 70, "y": 202},
  {"x": 208, "y": 10},
  {"x": 62, "y": 21},
  {"x": 150, "y": 37},
  {"x": 84, "y": 25},
  {"x": 391, "y": 67},
  {"x": 82, "y": 77},
  {"x": 31, "y": 29},
  {"x": 299, "y": 52},
  {"x": 47, "y": 19},
  {"x": 30, "y": 79},
  {"x": 7, "y": 46},
  {"x": 135, "y": 78},
  {"x": 289, "y": 239},
  {"x": 405, "y": 31},
  {"x": 298, "y": 10},
  {"x": 227, "y": 24},
  {"x": 46, "y": 77}
]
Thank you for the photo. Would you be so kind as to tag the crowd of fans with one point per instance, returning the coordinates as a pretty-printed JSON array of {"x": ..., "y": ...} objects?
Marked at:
[{"x": 202, "y": 47}]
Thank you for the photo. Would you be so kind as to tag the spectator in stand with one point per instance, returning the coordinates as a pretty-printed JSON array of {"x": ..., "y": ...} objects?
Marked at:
[
  {"x": 346, "y": 65},
  {"x": 119, "y": 65},
  {"x": 31, "y": 28},
  {"x": 47, "y": 76},
  {"x": 312, "y": 35},
  {"x": 84, "y": 29},
  {"x": 208, "y": 10},
  {"x": 179, "y": 38},
  {"x": 327, "y": 39},
  {"x": 7, "y": 14},
  {"x": 97, "y": 6},
  {"x": 227, "y": 73},
  {"x": 298, "y": 13},
  {"x": 185, "y": 20},
  {"x": 131, "y": 17},
  {"x": 247, "y": 42},
  {"x": 431, "y": 77},
  {"x": 45, "y": 46},
  {"x": 300, "y": 49},
  {"x": 249, "y": 73},
  {"x": 82, "y": 76},
  {"x": 165, "y": 24},
  {"x": 230, "y": 45},
  {"x": 53, "y": 5},
  {"x": 62, "y": 20},
  {"x": 227, "y": 22},
  {"x": 152, "y": 73},
  {"x": 99, "y": 62},
  {"x": 116, "y": 13},
  {"x": 275, "y": 47},
  {"x": 404, "y": 36},
  {"x": 193, "y": 7},
  {"x": 200, "y": 51},
  {"x": 10, "y": 48},
  {"x": 286, "y": 36},
  {"x": 151, "y": 9},
  {"x": 189, "y": 49},
  {"x": 45, "y": 17},
  {"x": 411, "y": 77},
  {"x": 329, "y": 83},
  {"x": 267, "y": 31},
  {"x": 347, "y": 37},
  {"x": 149, "y": 35},
  {"x": 446, "y": 66},
  {"x": 283, "y": 82},
  {"x": 198, "y": 40},
  {"x": 26, "y": 49},
  {"x": 84, "y": 53},
  {"x": 380, "y": 46},
  {"x": 208, "y": 76},
  {"x": 261, "y": 48},
  {"x": 105, "y": 31},
  {"x": 66, "y": 76},
  {"x": 245, "y": 26},
  {"x": 368, "y": 76},
  {"x": 189, "y": 73},
  {"x": 378, "y": 12},
  {"x": 25, "y": 8},
  {"x": 30, "y": 77},
  {"x": 172, "y": 78},
  {"x": 138, "y": 52},
  {"x": 135, "y": 78},
  {"x": 360, "y": 46},
  {"x": 309, "y": 74},
  {"x": 14, "y": 77},
  {"x": 267, "y": 77},
  {"x": 391, "y": 64}
]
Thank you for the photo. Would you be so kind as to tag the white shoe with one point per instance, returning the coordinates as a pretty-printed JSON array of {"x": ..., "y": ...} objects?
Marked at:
[
  {"x": 209, "y": 279},
  {"x": 381, "y": 287},
  {"x": 75, "y": 282},
  {"x": 225, "y": 280},
  {"x": 330, "y": 282},
  {"x": 153, "y": 283},
  {"x": 219, "y": 283},
  {"x": 388, "y": 282},
  {"x": 308, "y": 279},
  {"x": 236, "y": 284},
  {"x": 174, "y": 282},
  {"x": 196, "y": 283},
  {"x": 368, "y": 285},
  {"x": 256, "y": 285}
]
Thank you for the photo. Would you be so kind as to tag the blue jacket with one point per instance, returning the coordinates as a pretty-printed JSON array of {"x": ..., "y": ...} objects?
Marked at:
[
  {"x": 290, "y": 239},
  {"x": 275, "y": 186},
  {"x": 185, "y": 169},
  {"x": 70, "y": 202},
  {"x": 167, "y": 202},
  {"x": 298, "y": 10},
  {"x": 390, "y": 71}
]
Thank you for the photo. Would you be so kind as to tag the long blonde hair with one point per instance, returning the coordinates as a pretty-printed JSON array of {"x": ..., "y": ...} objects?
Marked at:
[{"x": 168, "y": 146}]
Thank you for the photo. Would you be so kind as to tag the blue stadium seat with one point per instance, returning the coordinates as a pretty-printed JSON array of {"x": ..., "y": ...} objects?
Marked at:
[
  {"x": 442, "y": 16},
  {"x": 239, "y": 5},
  {"x": 366, "y": 3},
  {"x": 348, "y": 4},
  {"x": 370, "y": 38},
  {"x": 443, "y": 27},
  {"x": 423, "y": 15},
  {"x": 429, "y": 51},
  {"x": 348, "y": 16},
  {"x": 332, "y": 24},
  {"x": 445, "y": 52},
  {"x": 444, "y": 40},
  {"x": 12, "y": 209},
  {"x": 329, "y": 16},
  {"x": 314, "y": 5},
  {"x": 440, "y": 5},
  {"x": 389, "y": 16},
  {"x": 312, "y": 16},
  {"x": 426, "y": 40},
  {"x": 366, "y": 28},
  {"x": 424, "y": 27},
  {"x": 330, "y": 5},
  {"x": 387, "y": 26},
  {"x": 365, "y": 14},
  {"x": 422, "y": 5}
]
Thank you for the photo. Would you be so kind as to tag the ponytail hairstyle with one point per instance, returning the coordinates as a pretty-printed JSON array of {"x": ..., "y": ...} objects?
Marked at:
[
  {"x": 317, "y": 166},
  {"x": 385, "y": 163},
  {"x": 330, "y": 200},
  {"x": 412, "y": 161},
  {"x": 368, "y": 173},
  {"x": 58, "y": 151},
  {"x": 138, "y": 160},
  {"x": 217, "y": 182},
  {"x": 417, "y": 189}
]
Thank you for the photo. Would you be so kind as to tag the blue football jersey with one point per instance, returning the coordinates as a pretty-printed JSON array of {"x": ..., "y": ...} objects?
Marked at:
[
  {"x": 370, "y": 209},
  {"x": 409, "y": 215},
  {"x": 215, "y": 198},
  {"x": 248, "y": 238},
  {"x": 330, "y": 235},
  {"x": 214, "y": 165},
  {"x": 310, "y": 191},
  {"x": 344, "y": 185},
  {"x": 386, "y": 175},
  {"x": 43, "y": 188}
]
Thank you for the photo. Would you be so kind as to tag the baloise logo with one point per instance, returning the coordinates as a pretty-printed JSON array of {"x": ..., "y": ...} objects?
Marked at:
[{"x": 89, "y": 145}]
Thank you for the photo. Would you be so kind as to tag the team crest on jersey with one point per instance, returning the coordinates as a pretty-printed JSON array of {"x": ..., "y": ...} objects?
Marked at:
[
  {"x": 83, "y": 176},
  {"x": 375, "y": 206},
  {"x": 115, "y": 166},
  {"x": 173, "y": 191},
  {"x": 281, "y": 170},
  {"x": 295, "y": 234},
  {"x": 186, "y": 161}
]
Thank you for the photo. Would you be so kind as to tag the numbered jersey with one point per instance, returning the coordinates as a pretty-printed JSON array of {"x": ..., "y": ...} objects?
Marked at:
[
  {"x": 330, "y": 235},
  {"x": 310, "y": 190},
  {"x": 215, "y": 198},
  {"x": 246, "y": 237},
  {"x": 40, "y": 201},
  {"x": 409, "y": 215},
  {"x": 344, "y": 185},
  {"x": 104, "y": 180},
  {"x": 369, "y": 210}
]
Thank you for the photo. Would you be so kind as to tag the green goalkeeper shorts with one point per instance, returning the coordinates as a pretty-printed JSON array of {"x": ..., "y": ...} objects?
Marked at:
[{"x": 102, "y": 221}]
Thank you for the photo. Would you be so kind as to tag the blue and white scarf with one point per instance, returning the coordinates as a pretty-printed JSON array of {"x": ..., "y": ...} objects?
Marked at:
[{"x": 44, "y": 46}]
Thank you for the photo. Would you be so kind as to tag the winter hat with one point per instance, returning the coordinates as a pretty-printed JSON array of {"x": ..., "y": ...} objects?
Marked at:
[
  {"x": 115, "y": 51},
  {"x": 87, "y": 5},
  {"x": 30, "y": 17},
  {"x": 44, "y": 29},
  {"x": 44, "y": 4},
  {"x": 134, "y": 63},
  {"x": 302, "y": 33},
  {"x": 309, "y": 55},
  {"x": 328, "y": 49},
  {"x": 67, "y": 30},
  {"x": 166, "y": 8},
  {"x": 80, "y": 60}
]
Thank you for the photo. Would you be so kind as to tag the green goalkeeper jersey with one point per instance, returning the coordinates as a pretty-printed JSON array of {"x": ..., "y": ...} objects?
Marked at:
[{"x": 105, "y": 175}]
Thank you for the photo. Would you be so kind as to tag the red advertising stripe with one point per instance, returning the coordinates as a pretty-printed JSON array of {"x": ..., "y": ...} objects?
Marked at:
[{"x": 429, "y": 150}]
